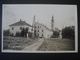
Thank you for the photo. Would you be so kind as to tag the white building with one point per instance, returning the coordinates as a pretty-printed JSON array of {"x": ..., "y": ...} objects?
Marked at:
[
  {"x": 18, "y": 26},
  {"x": 42, "y": 30}
]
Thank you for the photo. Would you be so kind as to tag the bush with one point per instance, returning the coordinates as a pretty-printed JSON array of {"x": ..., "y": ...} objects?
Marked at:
[{"x": 18, "y": 34}]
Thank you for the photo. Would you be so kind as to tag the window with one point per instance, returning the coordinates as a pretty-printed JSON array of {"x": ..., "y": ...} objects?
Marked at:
[
  {"x": 42, "y": 34},
  {"x": 42, "y": 30},
  {"x": 38, "y": 30},
  {"x": 38, "y": 26},
  {"x": 35, "y": 31},
  {"x": 12, "y": 28},
  {"x": 20, "y": 28}
]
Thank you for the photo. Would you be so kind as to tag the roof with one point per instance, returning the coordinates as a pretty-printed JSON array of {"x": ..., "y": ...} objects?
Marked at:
[
  {"x": 44, "y": 26},
  {"x": 19, "y": 23}
]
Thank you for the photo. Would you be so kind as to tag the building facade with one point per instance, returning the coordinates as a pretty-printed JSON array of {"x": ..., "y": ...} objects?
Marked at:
[
  {"x": 18, "y": 26},
  {"x": 42, "y": 31}
]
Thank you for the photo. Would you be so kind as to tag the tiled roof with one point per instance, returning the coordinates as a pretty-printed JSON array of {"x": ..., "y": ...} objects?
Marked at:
[{"x": 19, "y": 23}]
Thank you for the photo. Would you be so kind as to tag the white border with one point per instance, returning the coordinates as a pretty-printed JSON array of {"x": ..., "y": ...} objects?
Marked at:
[{"x": 76, "y": 34}]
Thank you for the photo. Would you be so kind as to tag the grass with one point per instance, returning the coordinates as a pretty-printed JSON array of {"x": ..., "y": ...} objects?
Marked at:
[
  {"x": 17, "y": 43},
  {"x": 57, "y": 44},
  {"x": 52, "y": 44}
]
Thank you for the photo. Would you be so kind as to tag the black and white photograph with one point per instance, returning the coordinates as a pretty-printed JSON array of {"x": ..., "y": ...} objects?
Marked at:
[{"x": 40, "y": 28}]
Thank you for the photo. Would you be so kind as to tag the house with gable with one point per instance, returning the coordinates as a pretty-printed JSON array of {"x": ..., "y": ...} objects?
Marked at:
[{"x": 18, "y": 26}]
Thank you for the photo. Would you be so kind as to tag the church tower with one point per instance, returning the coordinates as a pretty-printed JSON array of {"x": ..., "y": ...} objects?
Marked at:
[{"x": 52, "y": 23}]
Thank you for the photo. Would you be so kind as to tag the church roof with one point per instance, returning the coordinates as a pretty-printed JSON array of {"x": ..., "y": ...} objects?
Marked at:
[{"x": 19, "y": 23}]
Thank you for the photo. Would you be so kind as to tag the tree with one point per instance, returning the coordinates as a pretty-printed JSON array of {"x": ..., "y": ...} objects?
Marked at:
[
  {"x": 55, "y": 34},
  {"x": 24, "y": 32},
  {"x": 29, "y": 34},
  {"x": 6, "y": 32},
  {"x": 68, "y": 32}
]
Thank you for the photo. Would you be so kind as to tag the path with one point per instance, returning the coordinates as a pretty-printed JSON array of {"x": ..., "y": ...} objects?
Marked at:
[{"x": 34, "y": 46}]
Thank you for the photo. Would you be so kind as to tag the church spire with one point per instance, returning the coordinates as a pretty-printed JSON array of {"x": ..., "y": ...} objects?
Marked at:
[
  {"x": 52, "y": 23},
  {"x": 52, "y": 18}
]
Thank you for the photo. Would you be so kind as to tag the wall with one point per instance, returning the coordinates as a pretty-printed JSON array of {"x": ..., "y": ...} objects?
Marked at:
[
  {"x": 46, "y": 33},
  {"x": 17, "y": 29}
]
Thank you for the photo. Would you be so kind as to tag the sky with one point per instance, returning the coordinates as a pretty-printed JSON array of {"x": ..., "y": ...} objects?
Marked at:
[{"x": 64, "y": 15}]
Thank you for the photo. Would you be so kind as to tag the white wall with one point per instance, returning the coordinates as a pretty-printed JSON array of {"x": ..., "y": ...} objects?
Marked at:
[
  {"x": 46, "y": 33},
  {"x": 17, "y": 29}
]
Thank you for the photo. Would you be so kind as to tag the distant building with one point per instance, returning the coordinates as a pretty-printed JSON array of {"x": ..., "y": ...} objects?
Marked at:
[
  {"x": 60, "y": 36},
  {"x": 56, "y": 29},
  {"x": 18, "y": 26}
]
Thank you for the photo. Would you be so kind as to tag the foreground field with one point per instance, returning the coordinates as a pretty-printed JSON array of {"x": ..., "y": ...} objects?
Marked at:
[
  {"x": 17, "y": 43},
  {"x": 27, "y": 44},
  {"x": 57, "y": 44}
]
